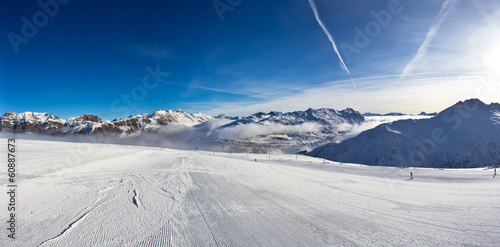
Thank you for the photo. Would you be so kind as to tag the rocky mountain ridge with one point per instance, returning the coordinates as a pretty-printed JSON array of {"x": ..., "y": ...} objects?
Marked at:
[
  {"x": 45, "y": 123},
  {"x": 465, "y": 135}
]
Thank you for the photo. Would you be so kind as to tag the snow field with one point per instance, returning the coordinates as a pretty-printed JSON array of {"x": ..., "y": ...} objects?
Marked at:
[{"x": 73, "y": 194}]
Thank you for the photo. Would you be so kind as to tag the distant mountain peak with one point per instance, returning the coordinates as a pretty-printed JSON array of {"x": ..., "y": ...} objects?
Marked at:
[
  {"x": 393, "y": 114},
  {"x": 86, "y": 118},
  {"x": 427, "y": 114},
  {"x": 472, "y": 101},
  {"x": 464, "y": 135}
]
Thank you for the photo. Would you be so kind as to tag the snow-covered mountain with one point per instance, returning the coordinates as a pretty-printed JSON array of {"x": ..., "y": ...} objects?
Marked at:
[
  {"x": 464, "y": 135},
  {"x": 289, "y": 132},
  {"x": 427, "y": 114},
  {"x": 30, "y": 122},
  {"x": 396, "y": 114},
  {"x": 323, "y": 116},
  {"x": 259, "y": 133},
  {"x": 393, "y": 114},
  {"x": 44, "y": 123}
]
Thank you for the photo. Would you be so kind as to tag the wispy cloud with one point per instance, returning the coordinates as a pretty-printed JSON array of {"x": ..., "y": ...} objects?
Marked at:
[
  {"x": 151, "y": 50},
  {"x": 330, "y": 37},
  {"x": 419, "y": 92},
  {"x": 446, "y": 10},
  {"x": 227, "y": 91}
]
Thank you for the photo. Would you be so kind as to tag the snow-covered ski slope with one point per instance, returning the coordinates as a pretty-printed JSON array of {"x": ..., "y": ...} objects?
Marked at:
[{"x": 74, "y": 194}]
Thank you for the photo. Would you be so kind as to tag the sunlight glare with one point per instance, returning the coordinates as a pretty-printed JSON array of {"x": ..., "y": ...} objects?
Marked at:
[{"x": 491, "y": 58}]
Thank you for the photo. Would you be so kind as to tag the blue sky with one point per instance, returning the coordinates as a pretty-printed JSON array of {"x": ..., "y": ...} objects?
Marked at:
[{"x": 116, "y": 58}]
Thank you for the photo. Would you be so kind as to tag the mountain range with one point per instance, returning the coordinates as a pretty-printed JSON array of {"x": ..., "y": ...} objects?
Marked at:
[
  {"x": 259, "y": 132},
  {"x": 394, "y": 114},
  {"x": 44, "y": 123},
  {"x": 464, "y": 135},
  {"x": 289, "y": 132}
]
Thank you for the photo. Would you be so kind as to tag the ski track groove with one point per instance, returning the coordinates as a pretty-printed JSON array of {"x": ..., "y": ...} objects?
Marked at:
[
  {"x": 134, "y": 200},
  {"x": 202, "y": 214},
  {"x": 163, "y": 236},
  {"x": 74, "y": 222},
  {"x": 219, "y": 202}
]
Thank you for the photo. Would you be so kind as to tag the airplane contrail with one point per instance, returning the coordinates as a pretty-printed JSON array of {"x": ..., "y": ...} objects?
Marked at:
[
  {"x": 446, "y": 9},
  {"x": 320, "y": 22}
]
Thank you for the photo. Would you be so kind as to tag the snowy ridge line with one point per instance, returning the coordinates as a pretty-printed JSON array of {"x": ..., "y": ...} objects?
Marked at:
[
  {"x": 465, "y": 135},
  {"x": 45, "y": 123},
  {"x": 176, "y": 129},
  {"x": 74, "y": 222}
]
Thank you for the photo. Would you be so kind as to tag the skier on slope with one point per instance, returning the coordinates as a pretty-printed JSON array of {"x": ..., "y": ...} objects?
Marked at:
[
  {"x": 495, "y": 174},
  {"x": 411, "y": 175}
]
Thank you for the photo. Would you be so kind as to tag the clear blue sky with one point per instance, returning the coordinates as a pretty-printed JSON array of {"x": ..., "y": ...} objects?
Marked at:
[{"x": 94, "y": 56}]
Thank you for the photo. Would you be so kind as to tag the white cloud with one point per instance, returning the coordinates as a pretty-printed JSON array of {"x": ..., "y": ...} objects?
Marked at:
[
  {"x": 382, "y": 95},
  {"x": 252, "y": 130},
  {"x": 456, "y": 56},
  {"x": 151, "y": 50}
]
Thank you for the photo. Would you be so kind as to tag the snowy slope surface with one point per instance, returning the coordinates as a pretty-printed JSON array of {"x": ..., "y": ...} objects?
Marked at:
[
  {"x": 72, "y": 194},
  {"x": 464, "y": 135}
]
